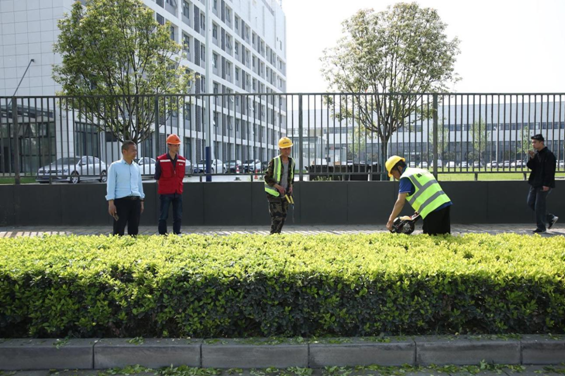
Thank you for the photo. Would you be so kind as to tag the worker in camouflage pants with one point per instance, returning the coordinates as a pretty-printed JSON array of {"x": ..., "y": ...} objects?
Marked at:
[{"x": 278, "y": 184}]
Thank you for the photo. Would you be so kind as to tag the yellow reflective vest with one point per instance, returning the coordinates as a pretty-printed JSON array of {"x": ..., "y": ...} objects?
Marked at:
[
  {"x": 428, "y": 195},
  {"x": 277, "y": 174}
]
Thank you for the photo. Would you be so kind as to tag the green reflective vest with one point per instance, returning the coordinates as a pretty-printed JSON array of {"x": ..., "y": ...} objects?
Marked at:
[
  {"x": 277, "y": 174},
  {"x": 428, "y": 195}
]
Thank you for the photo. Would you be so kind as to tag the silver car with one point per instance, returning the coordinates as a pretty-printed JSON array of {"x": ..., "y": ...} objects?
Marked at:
[
  {"x": 73, "y": 170},
  {"x": 216, "y": 167}
]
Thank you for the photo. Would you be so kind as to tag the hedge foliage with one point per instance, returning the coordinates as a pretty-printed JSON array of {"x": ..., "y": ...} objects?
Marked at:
[{"x": 289, "y": 285}]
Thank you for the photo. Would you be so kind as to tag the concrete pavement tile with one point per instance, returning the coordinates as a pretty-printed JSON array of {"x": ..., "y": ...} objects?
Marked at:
[
  {"x": 463, "y": 350},
  {"x": 542, "y": 349},
  {"x": 538, "y": 371},
  {"x": 152, "y": 353},
  {"x": 34, "y": 354},
  {"x": 241, "y": 354},
  {"x": 359, "y": 352}
]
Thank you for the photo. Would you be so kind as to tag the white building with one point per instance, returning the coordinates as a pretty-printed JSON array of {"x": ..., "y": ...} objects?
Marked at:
[{"x": 247, "y": 54}]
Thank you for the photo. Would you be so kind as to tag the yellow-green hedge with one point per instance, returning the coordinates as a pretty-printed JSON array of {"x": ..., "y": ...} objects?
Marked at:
[{"x": 290, "y": 285}]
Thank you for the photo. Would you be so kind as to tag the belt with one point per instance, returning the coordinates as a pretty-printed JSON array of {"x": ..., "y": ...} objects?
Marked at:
[{"x": 129, "y": 198}]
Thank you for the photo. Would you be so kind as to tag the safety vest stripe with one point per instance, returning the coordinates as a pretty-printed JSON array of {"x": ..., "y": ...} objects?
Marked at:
[
  {"x": 165, "y": 160},
  {"x": 430, "y": 200},
  {"x": 421, "y": 188}
]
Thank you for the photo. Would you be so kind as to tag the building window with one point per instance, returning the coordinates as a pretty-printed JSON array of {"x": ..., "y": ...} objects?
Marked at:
[
  {"x": 186, "y": 9},
  {"x": 215, "y": 31},
  {"x": 202, "y": 21},
  {"x": 173, "y": 33},
  {"x": 215, "y": 60},
  {"x": 236, "y": 48},
  {"x": 203, "y": 53},
  {"x": 236, "y": 23},
  {"x": 160, "y": 19},
  {"x": 215, "y": 88},
  {"x": 237, "y": 74},
  {"x": 186, "y": 43}
]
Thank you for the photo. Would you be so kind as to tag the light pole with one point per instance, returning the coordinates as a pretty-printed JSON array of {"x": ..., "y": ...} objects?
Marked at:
[{"x": 209, "y": 85}]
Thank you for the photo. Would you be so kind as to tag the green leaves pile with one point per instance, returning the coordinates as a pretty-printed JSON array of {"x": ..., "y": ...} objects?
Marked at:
[{"x": 290, "y": 285}]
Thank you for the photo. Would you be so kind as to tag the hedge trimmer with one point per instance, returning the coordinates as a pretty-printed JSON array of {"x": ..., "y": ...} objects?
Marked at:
[{"x": 404, "y": 224}]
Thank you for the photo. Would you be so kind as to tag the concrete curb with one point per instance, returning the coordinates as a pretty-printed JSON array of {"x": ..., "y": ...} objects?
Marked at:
[{"x": 33, "y": 354}]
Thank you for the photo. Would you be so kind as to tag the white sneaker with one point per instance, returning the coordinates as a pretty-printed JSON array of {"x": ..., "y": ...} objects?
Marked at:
[{"x": 553, "y": 221}]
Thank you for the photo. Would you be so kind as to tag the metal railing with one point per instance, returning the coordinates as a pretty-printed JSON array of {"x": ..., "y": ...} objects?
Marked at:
[{"x": 337, "y": 136}]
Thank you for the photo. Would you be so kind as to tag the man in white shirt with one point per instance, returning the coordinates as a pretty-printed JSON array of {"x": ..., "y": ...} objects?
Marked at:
[{"x": 124, "y": 190}]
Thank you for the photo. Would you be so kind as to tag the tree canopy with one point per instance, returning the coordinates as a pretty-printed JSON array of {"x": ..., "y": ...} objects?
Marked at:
[
  {"x": 116, "y": 51},
  {"x": 391, "y": 61}
]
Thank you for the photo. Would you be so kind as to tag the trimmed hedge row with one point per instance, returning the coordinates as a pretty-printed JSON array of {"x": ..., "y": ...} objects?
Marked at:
[{"x": 289, "y": 285}]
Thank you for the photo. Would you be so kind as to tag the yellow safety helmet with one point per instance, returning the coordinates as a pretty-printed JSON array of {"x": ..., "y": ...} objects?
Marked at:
[
  {"x": 285, "y": 143},
  {"x": 391, "y": 162}
]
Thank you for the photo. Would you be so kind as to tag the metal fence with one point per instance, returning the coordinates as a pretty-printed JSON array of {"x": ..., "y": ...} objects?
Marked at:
[{"x": 337, "y": 136}]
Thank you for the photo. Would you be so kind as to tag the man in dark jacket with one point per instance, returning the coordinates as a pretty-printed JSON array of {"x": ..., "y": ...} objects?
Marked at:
[{"x": 542, "y": 180}]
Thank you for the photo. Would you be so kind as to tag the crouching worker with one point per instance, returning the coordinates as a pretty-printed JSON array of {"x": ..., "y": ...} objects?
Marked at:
[
  {"x": 420, "y": 188},
  {"x": 278, "y": 183}
]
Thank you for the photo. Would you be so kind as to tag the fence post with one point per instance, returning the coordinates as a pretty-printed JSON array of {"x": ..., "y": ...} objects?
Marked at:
[
  {"x": 300, "y": 140},
  {"x": 16, "y": 127},
  {"x": 156, "y": 136},
  {"x": 435, "y": 130}
]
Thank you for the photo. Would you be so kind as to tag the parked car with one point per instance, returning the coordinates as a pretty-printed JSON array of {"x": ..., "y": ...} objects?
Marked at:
[
  {"x": 561, "y": 163},
  {"x": 73, "y": 170},
  {"x": 265, "y": 166},
  {"x": 464, "y": 164},
  {"x": 439, "y": 163},
  {"x": 412, "y": 164},
  {"x": 450, "y": 164},
  {"x": 477, "y": 164},
  {"x": 518, "y": 164},
  {"x": 235, "y": 166},
  {"x": 216, "y": 167},
  {"x": 423, "y": 164},
  {"x": 506, "y": 164},
  {"x": 493, "y": 164},
  {"x": 251, "y": 165},
  {"x": 147, "y": 166}
]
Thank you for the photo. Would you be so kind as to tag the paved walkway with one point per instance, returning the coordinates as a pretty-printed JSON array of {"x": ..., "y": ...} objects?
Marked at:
[{"x": 457, "y": 229}]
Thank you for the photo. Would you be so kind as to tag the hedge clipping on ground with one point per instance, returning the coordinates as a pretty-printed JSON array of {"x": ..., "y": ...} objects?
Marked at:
[{"x": 290, "y": 285}]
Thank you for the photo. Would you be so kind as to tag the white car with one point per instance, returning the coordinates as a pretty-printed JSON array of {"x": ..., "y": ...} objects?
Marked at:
[
  {"x": 216, "y": 167},
  {"x": 450, "y": 164},
  {"x": 251, "y": 165},
  {"x": 518, "y": 163},
  {"x": 73, "y": 170},
  {"x": 147, "y": 166},
  {"x": 423, "y": 164}
]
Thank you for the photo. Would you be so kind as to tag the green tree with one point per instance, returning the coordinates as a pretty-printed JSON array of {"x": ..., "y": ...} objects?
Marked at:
[
  {"x": 481, "y": 138},
  {"x": 115, "y": 50},
  {"x": 382, "y": 57}
]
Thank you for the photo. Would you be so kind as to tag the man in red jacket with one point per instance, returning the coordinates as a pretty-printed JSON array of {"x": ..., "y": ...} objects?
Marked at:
[{"x": 169, "y": 172}]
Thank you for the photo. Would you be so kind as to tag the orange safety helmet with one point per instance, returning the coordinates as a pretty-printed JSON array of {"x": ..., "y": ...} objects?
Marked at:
[{"x": 173, "y": 140}]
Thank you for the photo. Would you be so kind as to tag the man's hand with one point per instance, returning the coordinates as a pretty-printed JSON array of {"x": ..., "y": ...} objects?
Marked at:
[
  {"x": 389, "y": 225},
  {"x": 290, "y": 190},
  {"x": 545, "y": 189},
  {"x": 112, "y": 208},
  {"x": 280, "y": 189},
  {"x": 531, "y": 153},
  {"x": 142, "y": 206}
]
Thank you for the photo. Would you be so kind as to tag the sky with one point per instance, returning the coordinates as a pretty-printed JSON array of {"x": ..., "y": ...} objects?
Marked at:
[{"x": 506, "y": 46}]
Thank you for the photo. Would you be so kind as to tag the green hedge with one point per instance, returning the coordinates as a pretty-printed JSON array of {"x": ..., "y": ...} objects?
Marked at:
[{"x": 290, "y": 285}]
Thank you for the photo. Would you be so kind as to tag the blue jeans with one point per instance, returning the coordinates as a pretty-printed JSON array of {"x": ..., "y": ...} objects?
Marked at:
[
  {"x": 536, "y": 201},
  {"x": 166, "y": 200}
]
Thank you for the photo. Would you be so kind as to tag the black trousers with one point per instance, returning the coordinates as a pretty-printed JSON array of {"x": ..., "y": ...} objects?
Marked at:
[
  {"x": 129, "y": 212},
  {"x": 438, "y": 222}
]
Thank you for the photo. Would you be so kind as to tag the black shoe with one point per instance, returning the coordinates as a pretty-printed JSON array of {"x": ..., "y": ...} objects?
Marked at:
[
  {"x": 553, "y": 221},
  {"x": 539, "y": 231}
]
